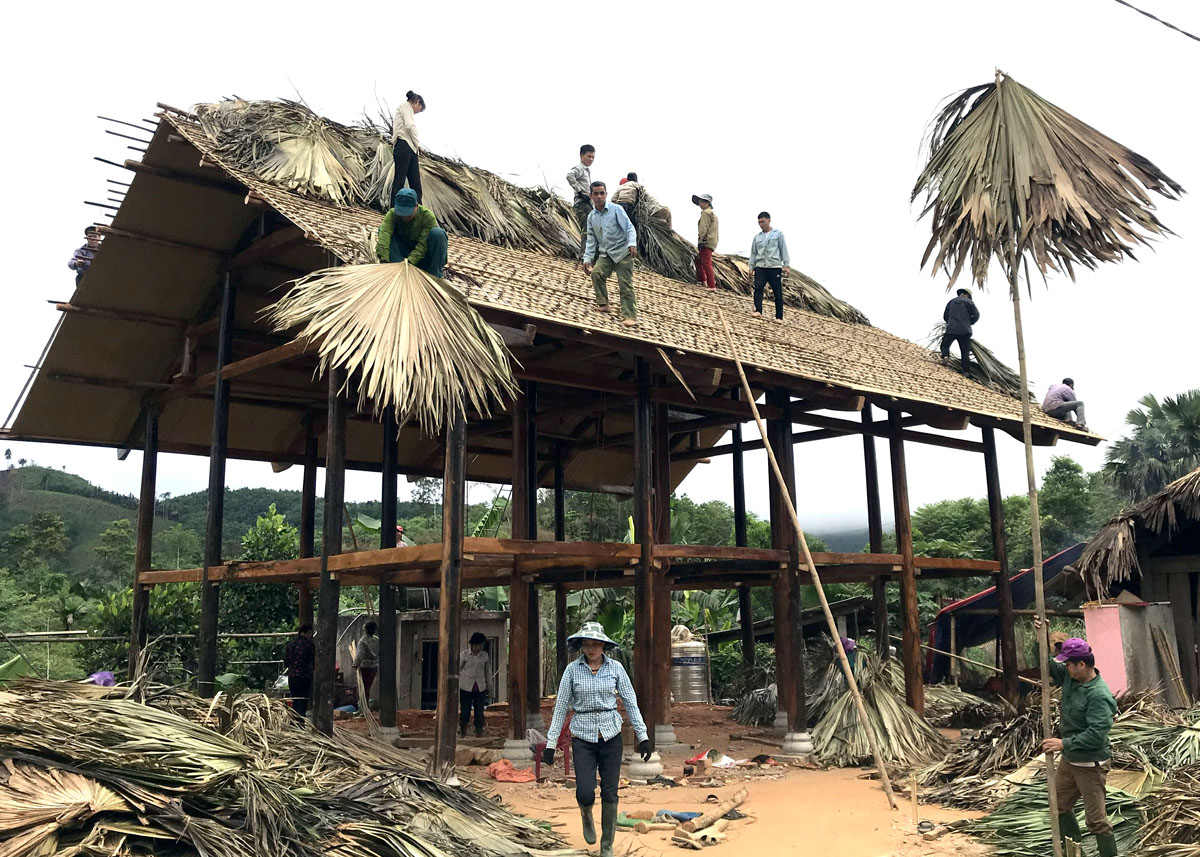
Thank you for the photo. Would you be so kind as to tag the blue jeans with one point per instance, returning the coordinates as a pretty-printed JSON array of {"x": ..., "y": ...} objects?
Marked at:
[
  {"x": 593, "y": 756},
  {"x": 436, "y": 246}
]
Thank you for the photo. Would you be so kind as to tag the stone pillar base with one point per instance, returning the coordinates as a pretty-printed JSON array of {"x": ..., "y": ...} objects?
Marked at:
[
  {"x": 781, "y": 720},
  {"x": 796, "y": 745},
  {"x": 517, "y": 751},
  {"x": 664, "y": 736},
  {"x": 636, "y": 769},
  {"x": 533, "y": 720}
]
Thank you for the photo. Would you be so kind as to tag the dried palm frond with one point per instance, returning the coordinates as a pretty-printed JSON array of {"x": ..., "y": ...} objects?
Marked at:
[
  {"x": 757, "y": 708},
  {"x": 950, "y": 707},
  {"x": 414, "y": 341},
  {"x": 1172, "y": 828},
  {"x": 986, "y": 368},
  {"x": 1006, "y": 165},
  {"x": 35, "y": 804}
]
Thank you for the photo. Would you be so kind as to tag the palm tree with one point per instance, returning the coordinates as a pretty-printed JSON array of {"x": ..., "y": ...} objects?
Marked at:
[
  {"x": 1011, "y": 174},
  {"x": 1164, "y": 445}
]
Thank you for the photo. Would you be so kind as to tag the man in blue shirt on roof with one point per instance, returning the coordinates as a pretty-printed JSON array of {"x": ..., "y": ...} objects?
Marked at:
[
  {"x": 768, "y": 258},
  {"x": 611, "y": 246}
]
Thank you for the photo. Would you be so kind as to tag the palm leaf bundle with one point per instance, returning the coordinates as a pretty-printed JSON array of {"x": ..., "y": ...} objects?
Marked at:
[
  {"x": 757, "y": 708},
  {"x": 950, "y": 707},
  {"x": 905, "y": 739},
  {"x": 412, "y": 340},
  {"x": 1172, "y": 827},
  {"x": 986, "y": 368},
  {"x": 35, "y": 804}
]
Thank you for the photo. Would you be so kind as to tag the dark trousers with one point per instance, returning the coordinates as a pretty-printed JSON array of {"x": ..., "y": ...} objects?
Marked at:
[
  {"x": 583, "y": 207},
  {"x": 367, "y": 674},
  {"x": 436, "y": 250},
  {"x": 300, "y": 689},
  {"x": 407, "y": 167},
  {"x": 964, "y": 348},
  {"x": 593, "y": 756},
  {"x": 774, "y": 276},
  {"x": 468, "y": 700},
  {"x": 705, "y": 275}
]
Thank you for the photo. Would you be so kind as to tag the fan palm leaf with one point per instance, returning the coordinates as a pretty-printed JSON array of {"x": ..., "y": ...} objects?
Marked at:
[
  {"x": 413, "y": 341},
  {"x": 35, "y": 804}
]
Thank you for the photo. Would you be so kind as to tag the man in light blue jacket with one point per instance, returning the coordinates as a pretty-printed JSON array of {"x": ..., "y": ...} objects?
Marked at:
[
  {"x": 611, "y": 246},
  {"x": 768, "y": 258}
]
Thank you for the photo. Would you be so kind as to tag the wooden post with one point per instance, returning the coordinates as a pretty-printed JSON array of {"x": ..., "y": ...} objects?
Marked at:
[
  {"x": 308, "y": 489},
  {"x": 145, "y": 540},
  {"x": 661, "y": 462},
  {"x": 739, "y": 485},
  {"x": 560, "y": 629},
  {"x": 304, "y": 606},
  {"x": 454, "y": 511},
  {"x": 387, "y": 591},
  {"x": 798, "y": 712},
  {"x": 781, "y": 606},
  {"x": 533, "y": 671},
  {"x": 914, "y": 679},
  {"x": 781, "y": 585},
  {"x": 520, "y": 504},
  {"x": 210, "y": 595},
  {"x": 875, "y": 536},
  {"x": 1006, "y": 618},
  {"x": 518, "y": 663},
  {"x": 324, "y": 674},
  {"x": 643, "y": 526},
  {"x": 746, "y": 617},
  {"x": 524, "y": 526},
  {"x": 560, "y": 496}
]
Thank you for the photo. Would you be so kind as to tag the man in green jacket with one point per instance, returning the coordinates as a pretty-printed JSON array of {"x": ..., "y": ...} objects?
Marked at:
[
  {"x": 1087, "y": 709},
  {"x": 410, "y": 233}
]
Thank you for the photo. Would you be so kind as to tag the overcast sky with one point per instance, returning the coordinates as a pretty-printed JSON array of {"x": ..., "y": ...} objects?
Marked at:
[{"x": 815, "y": 111}]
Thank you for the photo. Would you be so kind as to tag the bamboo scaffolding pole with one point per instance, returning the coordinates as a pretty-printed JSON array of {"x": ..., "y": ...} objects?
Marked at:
[
  {"x": 967, "y": 660},
  {"x": 859, "y": 706}
]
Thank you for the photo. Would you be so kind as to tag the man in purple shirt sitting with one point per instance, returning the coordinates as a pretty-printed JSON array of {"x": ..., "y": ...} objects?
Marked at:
[{"x": 1061, "y": 402}]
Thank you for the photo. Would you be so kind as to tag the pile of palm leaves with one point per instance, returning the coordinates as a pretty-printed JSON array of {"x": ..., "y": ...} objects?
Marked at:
[
  {"x": 117, "y": 771},
  {"x": 1020, "y": 826},
  {"x": 991, "y": 752},
  {"x": 986, "y": 368},
  {"x": 1172, "y": 827},
  {"x": 1157, "y": 736},
  {"x": 757, "y": 708},
  {"x": 905, "y": 739},
  {"x": 950, "y": 707},
  {"x": 411, "y": 341}
]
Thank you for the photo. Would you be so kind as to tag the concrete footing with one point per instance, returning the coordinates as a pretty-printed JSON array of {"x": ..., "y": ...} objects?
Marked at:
[
  {"x": 636, "y": 769},
  {"x": 796, "y": 745},
  {"x": 664, "y": 736},
  {"x": 517, "y": 751}
]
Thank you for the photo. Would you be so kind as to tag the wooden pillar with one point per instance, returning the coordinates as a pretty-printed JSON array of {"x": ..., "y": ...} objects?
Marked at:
[
  {"x": 781, "y": 607},
  {"x": 533, "y": 671},
  {"x": 875, "y": 530},
  {"x": 746, "y": 617},
  {"x": 782, "y": 583},
  {"x": 518, "y": 643},
  {"x": 1006, "y": 618},
  {"x": 454, "y": 511},
  {"x": 387, "y": 591},
  {"x": 304, "y": 604},
  {"x": 308, "y": 489},
  {"x": 560, "y": 629},
  {"x": 643, "y": 525},
  {"x": 210, "y": 594},
  {"x": 560, "y": 496},
  {"x": 739, "y": 484},
  {"x": 914, "y": 680},
  {"x": 798, "y": 714},
  {"x": 324, "y": 674},
  {"x": 661, "y": 462},
  {"x": 145, "y": 540},
  {"x": 524, "y": 526}
]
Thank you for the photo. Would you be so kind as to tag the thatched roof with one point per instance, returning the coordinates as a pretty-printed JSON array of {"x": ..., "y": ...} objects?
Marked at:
[{"x": 1112, "y": 555}]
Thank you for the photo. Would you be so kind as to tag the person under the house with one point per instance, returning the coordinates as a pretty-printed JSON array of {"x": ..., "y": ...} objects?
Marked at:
[
  {"x": 366, "y": 660},
  {"x": 474, "y": 667},
  {"x": 410, "y": 233},
  {"x": 959, "y": 315},
  {"x": 850, "y": 647},
  {"x": 405, "y": 148},
  {"x": 82, "y": 258},
  {"x": 706, "y": 241},
  {"x": 579, "y": 178},
  {"x": 590, "y": 687},
  {"x": 1061, "y": 403},
  {"x": 1087, "y": 713},
  {"x": 298, "y": 656},
  {"x": 768, "y": 258},
  {"x": 611, "y": 245}
]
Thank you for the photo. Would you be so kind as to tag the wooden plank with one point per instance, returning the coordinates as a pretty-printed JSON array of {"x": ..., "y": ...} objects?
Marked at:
[
  {"x": 237, "y": 368},
  {"x": 914, "y": 686},
  {"x": 167, "y": 243},
  {"x": 222, "y": 185},
  {"x": 724, "y": 552},
  {"x": 120, "y": 315},
  {"x": 454, "y": 493},
  {"x": 981, "y": 566}
]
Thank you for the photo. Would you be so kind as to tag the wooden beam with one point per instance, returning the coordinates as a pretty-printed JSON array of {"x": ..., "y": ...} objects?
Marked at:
[
  {"x": 113, "y": 383},
  {"x": 331, "y": 545},
  {"x": 560, "y": 498},
  {"x": 119, "y": 315},
  {"x": 237, "y": 368},
  {"x": 144, "y": 541},
  {"x": 205, "y": 182},
  {"x": 454, "y": 487},
  {"x": 914, "y": 686},
  {"x": 266, "y": 247},
  {"x": 739, "y": 483},
  {"x": 167, "y": 243},
  {"x": 1004, "y": 604}
]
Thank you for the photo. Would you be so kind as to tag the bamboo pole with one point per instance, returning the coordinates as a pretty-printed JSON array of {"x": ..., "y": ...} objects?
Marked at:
[
  {"x": 1035, "y": 530},
  {"x": 967, "y": 660},
  {"x": 812, "y": 568}
]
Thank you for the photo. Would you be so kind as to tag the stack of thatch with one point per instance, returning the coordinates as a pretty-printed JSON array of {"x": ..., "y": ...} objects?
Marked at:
[
  {"x": 950, "y": 707},
  {"x": 93, "y": 771},
  {"x": 986, "y": 368},
  {"x": 284, "y": 143}
]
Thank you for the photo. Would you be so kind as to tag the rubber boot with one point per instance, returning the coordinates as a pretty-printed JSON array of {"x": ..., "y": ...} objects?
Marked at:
[
  {"x": 608, "y": 828},
  {"x": 1106, "y": 845},
  {"x": 589, "y": 826},
  {"x": 1068, "y": 828}
]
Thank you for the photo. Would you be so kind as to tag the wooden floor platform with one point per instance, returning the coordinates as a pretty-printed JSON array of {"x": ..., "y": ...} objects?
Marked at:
[{"x": 573, "y": 565}]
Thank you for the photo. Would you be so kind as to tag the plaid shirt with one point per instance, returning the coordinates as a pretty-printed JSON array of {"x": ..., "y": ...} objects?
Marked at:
[
  {"x": 298, "y": 657},
  {"x": 593, "y": 698}
]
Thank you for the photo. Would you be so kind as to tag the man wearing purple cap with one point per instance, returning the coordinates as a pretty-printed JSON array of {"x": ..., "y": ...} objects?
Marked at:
[{"x": 1088, "y": 709}]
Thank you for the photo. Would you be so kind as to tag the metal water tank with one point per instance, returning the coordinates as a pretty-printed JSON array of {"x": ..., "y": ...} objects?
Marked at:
[{"x": 689, "y": 667}]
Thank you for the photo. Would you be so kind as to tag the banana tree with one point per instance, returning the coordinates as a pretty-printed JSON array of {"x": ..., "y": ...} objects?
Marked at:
[{"x": 1011, "y": 176}]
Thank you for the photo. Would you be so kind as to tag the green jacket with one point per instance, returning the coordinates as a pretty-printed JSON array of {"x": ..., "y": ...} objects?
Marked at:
[
  {"x": 410, "y": 238},
  {"x": 1088, "y": 710}
]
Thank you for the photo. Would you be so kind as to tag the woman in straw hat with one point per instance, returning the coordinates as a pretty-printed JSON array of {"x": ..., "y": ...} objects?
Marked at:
[{"x": 590, "y": 687}]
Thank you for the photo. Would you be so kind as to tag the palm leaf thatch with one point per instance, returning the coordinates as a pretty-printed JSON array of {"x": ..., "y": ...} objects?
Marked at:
[
  {"x": 1009, "y": 173},
  {"x": 1173, "y": 817},
  {"x": 35, "y": 804},
  {"x": 986, "y": 368},
  {"x": 412, "y": 341},
  {"x": 1112, "y": 557}
]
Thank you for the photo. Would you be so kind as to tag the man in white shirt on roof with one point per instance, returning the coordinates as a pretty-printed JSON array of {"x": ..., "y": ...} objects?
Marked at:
[{"x": 768, "y": 258}]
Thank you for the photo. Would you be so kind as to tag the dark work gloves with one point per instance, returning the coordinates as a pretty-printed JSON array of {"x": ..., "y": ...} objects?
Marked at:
[
  {"x": 643, "y": 747},
  {"x": 548, "y": 756}
]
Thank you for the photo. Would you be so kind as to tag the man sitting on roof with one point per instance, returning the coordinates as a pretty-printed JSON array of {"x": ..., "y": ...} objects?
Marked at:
[
  {"x": 1061, "y": 403},
  {"x": 410, "y": 233}
]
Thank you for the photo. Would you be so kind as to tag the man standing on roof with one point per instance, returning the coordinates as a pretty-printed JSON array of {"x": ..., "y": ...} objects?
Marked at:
[
  {"x": 405, "y": 148},
  {"x": 410, "y": 233},
  {"x": 580, "y": 180},
  {"x": 959, "y": 315},
  {"x": 1061, "y": 403},
  {"x": 611, "y": 245},
  {"x": 634, "y": 198},
  {"x": 706, "y": 241},
  {"x": 768, "y": 258},
  {"x": 1087, "y": 713},
  {"x": 82, "y": 258}
]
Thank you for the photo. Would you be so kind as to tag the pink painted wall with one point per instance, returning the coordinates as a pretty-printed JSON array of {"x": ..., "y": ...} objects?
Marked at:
[{"x": 1103, "y": 624}]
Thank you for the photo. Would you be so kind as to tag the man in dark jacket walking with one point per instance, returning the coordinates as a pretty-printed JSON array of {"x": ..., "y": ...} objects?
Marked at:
[{"x": 960, "y": 314}]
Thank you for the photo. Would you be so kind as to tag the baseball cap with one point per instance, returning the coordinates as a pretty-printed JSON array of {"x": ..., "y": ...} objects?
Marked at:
[
  {"x": 1073, "y": 648},
  {"x": 405, "y": 202}
]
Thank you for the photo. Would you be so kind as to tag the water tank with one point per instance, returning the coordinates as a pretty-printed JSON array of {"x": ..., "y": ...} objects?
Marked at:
[{"x": 689, "y": 667}]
